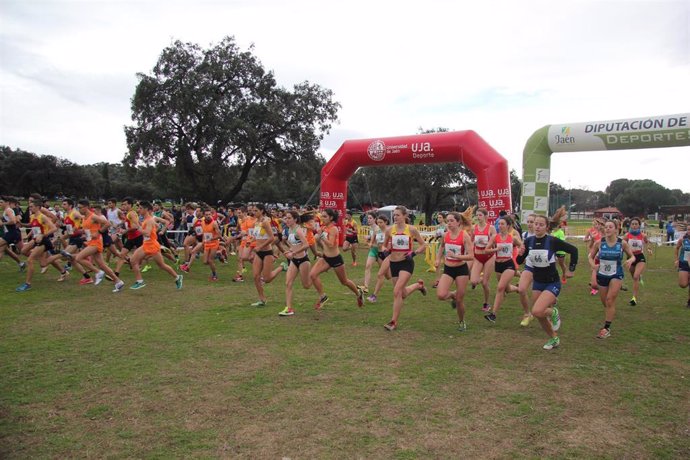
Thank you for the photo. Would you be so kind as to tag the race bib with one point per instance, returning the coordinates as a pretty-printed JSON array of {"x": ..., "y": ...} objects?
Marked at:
[
  {"x": 70, "y": 229},
  {"x": 87, "y": 234},
  {"x": 481, "y": 240},
  {"x": 636, "y": 245},
  {"x": 208, "y": 237},
  {"x": 453, "y": 251},
  {"x": 401, "y": 242},
  {"x": 36, "y": 231},
  {"x": 198, "y": 230},
  {"x": 539, "y": 258},
  {"x": 608, "y": 267},
  {"x": 380, "y": 237},
  {"x": 504, "y": 250},
  {"x": 686, "y": 256}
]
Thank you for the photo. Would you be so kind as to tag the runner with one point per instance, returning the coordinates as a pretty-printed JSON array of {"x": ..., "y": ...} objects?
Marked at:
[
  {"x": 559, "y": 232},
  {"x": 438, "y": 236},
  {"x": 262, "y": 265},
  {"x": 299, "y": 260},
  {"x": 373, "y": 254},
  {"x": 384, "y": 272},
  {"x": 150, "y": 248},
  {"x": 483, "y": 264},
  {"x": 194, "y": 243},
  {"x": 328, "y": 235},
  {"x": 538, "y": 252},
  {"x": 351, "y": 237},
  {"x": 133, "y": 238},
  {"x": 164, "y": 220},
  {"x": 457, "y": 247},
  {"x": 504, "y": 245},
  {"x": 41, "y": 230},
  {"x": 245, "y": 254},
  {"x": 115, "y": 217},
  {"x": 637, "y": 240},
  {"x": 94, "y": 224},
  {"x": 11, "y": 235},
  {"x": 593, "y": 235},
  {"x": 401, "y": 237},
  {"x": 73, "y": 222},
  {"x": 212, "y": 238},
  {"x": 682, "y": 262},
  {"x": 609, "y": 250}
]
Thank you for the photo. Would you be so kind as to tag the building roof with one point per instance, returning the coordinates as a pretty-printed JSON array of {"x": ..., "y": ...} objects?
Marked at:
[{"x": 608, "y": 209}]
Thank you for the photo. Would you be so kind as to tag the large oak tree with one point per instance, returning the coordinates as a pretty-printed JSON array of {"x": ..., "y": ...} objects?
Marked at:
[{"x": 216, "y": 113}]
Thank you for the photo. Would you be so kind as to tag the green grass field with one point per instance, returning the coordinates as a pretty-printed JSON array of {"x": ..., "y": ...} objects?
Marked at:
[{"x": 160, "y": 373}]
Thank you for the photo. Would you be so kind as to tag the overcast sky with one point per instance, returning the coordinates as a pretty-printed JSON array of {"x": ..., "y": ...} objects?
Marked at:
[{"x": 500, "y": 68}]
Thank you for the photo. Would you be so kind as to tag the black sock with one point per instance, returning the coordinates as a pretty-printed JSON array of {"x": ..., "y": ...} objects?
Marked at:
[
  {"x": 117, "y": 274},
  {"x": 607, "y": 325},
  {"x": 87, "y": 276}
]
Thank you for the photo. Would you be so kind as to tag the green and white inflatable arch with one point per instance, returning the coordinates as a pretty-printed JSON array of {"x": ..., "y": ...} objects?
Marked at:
[{"x": 633, "y": 133}]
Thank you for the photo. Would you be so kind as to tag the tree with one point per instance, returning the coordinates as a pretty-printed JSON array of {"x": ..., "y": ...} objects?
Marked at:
[
  {"x": 643, "y": 197},
  {"x": 215, "y": 114}
]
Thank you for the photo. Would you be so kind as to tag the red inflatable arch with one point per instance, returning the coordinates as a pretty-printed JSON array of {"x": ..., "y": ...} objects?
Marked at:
[{"x": 467, "y": 147}]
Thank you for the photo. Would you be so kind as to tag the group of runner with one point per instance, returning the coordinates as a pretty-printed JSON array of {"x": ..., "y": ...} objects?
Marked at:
[{"x": 78, "y": 237}]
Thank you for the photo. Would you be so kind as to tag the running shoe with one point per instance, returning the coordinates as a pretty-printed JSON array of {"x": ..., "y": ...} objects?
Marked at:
[
  {"x": 233, "y": 253},
  {"x": 138, "y": 285},
  {"x": 146, "y": 268},
  {"x": 184, "y": 268},
  {"x": 555, "y": 318},
  {"x": 118, "y": 286},
  {"x": 284, "y": 265},
  {"x": 564, "y": 280},
  {"x": 372, "y": 298},
  {"x": 633, "y": 302},
  {"x": 99, "y": 277},
  {"x": 435, "y": 285},
  {"x": 486, "y": 307},
  {"x": 491, "y": 317},
  {"x": 360, "y": 297},
  {"x": 85, "y": 281},
  {"x": 63, "y": 277},
  {"x": 260, "y": 303},
  {"x": 178, "y": 281},
  {"x": 321, "y": 302},
  {"x": 354, "y": 264},
  {"x": 213, "y": 278},
  {"x": 526, "y": 320},
  {"x": 553, "y": 342},
  {"x": 603, "y": 333},
  {"x": 238, "y": 279},
  {"x": 391, "y": 326},
  {"x": 22, "y": 266},
  {"x": 364, "y": 288},
  {"x": 453, "y": 303},
  {"x": 594, "y": 291},
  {"x": 287, "y": 311},
  {"x": 24, "y": 287},
  {"x": 422, "y": 289},
  {"x": 462, "y": 326},
  {"x": 44, "y": 269}
]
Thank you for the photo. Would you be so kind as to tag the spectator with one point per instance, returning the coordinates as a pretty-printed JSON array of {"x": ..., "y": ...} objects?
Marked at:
[{"x": 669, "y": 231}]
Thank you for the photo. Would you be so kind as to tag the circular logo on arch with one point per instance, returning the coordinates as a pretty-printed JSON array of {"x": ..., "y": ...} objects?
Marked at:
[{"x": 376, "y": 150}]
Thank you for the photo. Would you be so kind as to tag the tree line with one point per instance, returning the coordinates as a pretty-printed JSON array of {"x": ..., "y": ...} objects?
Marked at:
[{"x": 214, "y": 125}]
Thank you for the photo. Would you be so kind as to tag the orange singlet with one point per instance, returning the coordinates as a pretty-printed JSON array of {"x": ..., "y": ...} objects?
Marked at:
[
  {"x": 209, "y": 234},
  {"x": 151, "y": 245},
  {"x": 92, "y": 232},
  {"x": 247, "y": 227}
]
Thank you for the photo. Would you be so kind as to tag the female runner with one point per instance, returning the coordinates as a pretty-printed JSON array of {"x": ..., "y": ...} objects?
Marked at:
[
  {"x": 328, "y": 235},
  {"x": 538, "y": 252},
  {"x": 457, "y": 247},
  {"x": 483, "y": 264},
  {"x": 262, "y": 266},
  {"x": 299, "y": 260},
  {"x": 382, "y": 252},
  {"x": 400, "y": 236},
  {"x": 637, "y": 240},
  {"x": 683, "y": 263},
  {"x": 609, "y": 251},
  {"x": 503, "y": 244}
]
